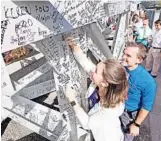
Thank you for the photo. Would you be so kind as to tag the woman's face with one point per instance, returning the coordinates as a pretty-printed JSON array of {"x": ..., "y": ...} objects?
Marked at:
[{"x": 97, "y": 75}]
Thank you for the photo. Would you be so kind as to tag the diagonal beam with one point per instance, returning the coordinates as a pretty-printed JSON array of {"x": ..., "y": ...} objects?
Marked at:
[{"x": 38, "y": 89}]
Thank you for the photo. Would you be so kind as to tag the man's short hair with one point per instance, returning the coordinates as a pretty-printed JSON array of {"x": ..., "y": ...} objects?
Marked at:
[
  {"x": 146, "y": 17},
  {"x": 158, "y": 22},
  {"x": 142, "y": 53},
  {"x": 136, "y": 15}
]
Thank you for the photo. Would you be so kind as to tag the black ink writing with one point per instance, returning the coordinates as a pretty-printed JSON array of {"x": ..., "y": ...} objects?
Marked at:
[
  {"x": 42, "y": 8},
  {"x": 43, "y": 18},
  {"x": 3, "y": 29},
  {"x": 4, "y": 84},
  {"x": 41, "y": 32},
  {"x": 17, "y": 12},
  {"x": 23, "y": 32},
  {"x": 23, "y": 23}
]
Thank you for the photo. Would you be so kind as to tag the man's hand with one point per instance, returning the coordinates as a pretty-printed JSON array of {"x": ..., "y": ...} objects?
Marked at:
[{"x": 134, "y": 130}]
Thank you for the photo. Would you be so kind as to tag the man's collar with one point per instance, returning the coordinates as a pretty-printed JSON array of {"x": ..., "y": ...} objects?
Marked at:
[{"x": 136, "y": 70}]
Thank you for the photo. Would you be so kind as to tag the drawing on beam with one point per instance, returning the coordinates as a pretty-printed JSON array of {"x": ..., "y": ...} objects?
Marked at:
[
  {"x": 45, "y": 118},
  {"x": 120, "y": 37},
  {"x": 31, "y": 76},
  {"x": 65, "y": 67},
  {"x": 61, "y": 59},
  {"x": 29, "y": 21},
  {"x": 115, "y": 8},
  {"x": 83, "y": 39},
  {"x": 38, "y": 89}
]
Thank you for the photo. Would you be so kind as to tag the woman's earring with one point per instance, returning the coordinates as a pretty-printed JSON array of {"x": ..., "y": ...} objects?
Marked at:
[{"x": 104, "y": 85}]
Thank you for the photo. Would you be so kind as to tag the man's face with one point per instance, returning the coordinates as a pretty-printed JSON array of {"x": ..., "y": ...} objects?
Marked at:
[
  {"x": 157, "y": 26},
  {"x": 130, "y": 58},
  {"x": 145, "y": 23}
]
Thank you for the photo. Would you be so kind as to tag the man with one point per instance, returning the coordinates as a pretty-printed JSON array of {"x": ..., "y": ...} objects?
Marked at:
[
  {"x": 138, "y": 23},
  {"x": 144, "y": 34},
  {"x": 142, "y": 90},
  {"x": 154, "y": 52}
]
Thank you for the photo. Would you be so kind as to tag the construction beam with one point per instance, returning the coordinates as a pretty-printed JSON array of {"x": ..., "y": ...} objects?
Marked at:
[
  {"x": 65, "y": 71},
  {"x": 113, "y": 8},
  {"x": 38, "y": 89},
  {"x": 119, "y": 40},
  {"x": 98, "y": 39},
  {"x": 30, "y": 21},
  {"x": 30, "y": 125},
  {"x": 25, "y": 22},
  {"x": 21, "y": 83},
  {"x": 36, "y": 114}
]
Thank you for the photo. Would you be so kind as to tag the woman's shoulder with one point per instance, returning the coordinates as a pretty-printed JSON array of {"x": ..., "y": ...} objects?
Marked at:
[
  {"x": 117, "y": 110},
  {"x": 97, "y": 110},
  {"x": 107, "y": 116}
]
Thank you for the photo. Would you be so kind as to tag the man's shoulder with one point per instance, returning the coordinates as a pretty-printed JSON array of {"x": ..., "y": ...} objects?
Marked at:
[{"x": 146, "y": 78}]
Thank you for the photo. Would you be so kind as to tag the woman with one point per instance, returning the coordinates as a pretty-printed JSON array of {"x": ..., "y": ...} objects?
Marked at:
[{"x": 110, "y": 78}]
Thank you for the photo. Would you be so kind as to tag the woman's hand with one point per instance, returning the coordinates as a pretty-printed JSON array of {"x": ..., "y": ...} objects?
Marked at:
[
  {"x": 70, "y": 93},
  {"x": 72, "y": 44}
]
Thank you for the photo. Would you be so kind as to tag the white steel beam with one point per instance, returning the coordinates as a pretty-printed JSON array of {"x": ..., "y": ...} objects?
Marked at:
[
  {"x": 38, "y": 114},
  {"x": 21, "y": 83},
  {"x": 38, "y": 89}
]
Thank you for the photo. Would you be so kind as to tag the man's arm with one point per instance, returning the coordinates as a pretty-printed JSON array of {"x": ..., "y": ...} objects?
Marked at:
[
  {"x": 148, "y": 97},
  {"x": 141, "y": 116},
  {"x": 134, "y": 130}
]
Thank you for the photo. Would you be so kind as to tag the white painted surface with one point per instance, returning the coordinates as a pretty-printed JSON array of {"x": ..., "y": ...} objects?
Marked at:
[
  {"x": 116, "y": 7},
  {"x": 30, "y": 125},
  {"x": 65, "y": 70},
  {"x": 35, "y": 113},
  {"x": 133, "y": 7},
  {"x": 120, "y": 37},
  {"x": 40, "y": 119},
  {"x": 50, "y": 99},
  {"x": 30, "y": 21}
]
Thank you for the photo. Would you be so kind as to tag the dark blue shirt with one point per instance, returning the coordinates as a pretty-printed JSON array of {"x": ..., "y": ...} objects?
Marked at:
[{"x": 142, "y": 90}]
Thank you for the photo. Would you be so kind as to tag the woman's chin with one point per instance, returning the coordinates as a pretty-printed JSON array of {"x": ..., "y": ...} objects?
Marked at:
[{"x": 124, "y": 63}]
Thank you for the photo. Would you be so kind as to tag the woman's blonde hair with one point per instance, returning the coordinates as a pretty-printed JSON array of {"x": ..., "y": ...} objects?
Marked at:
[{"x": 114, "y": 74}]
